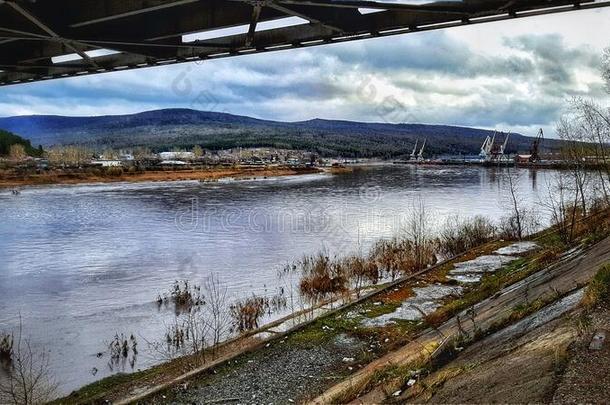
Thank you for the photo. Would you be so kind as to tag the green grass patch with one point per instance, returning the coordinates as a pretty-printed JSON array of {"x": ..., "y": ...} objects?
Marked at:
[
  {"x": 325, "y": 328},
  {"x": 370, "y": 310},
  {"x": 96, "y": 391},
  {"x": 522, "y": 310}
]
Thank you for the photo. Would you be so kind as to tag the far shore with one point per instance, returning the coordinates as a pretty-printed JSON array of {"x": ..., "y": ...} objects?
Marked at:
[{"x": 15, "y": 180}]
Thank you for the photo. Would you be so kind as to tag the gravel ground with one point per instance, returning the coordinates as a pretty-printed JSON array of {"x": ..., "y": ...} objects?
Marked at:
[
  {"x": 279, "y": 374},
  {"x": 587, "y": 377}
]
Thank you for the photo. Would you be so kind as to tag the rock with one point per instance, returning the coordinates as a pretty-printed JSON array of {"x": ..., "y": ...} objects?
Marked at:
[
  {"x": 597, "y": 343},
  {"x": 397, "y": 393}
]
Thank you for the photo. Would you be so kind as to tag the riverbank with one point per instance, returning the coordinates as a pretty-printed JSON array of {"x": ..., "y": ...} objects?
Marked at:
[
  {"x": 15, "y": 180},
  {"x": 354, "y": 342}
]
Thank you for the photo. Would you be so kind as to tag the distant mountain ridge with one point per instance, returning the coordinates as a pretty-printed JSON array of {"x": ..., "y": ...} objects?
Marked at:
[{"x": 184, "y": 128}]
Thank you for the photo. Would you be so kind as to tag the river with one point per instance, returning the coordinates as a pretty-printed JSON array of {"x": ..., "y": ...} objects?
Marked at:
[{"x": 81, "y": 263}]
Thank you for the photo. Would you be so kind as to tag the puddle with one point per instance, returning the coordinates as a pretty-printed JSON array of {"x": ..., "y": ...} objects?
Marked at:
[
  {"x": 466, "y": 278},
  {"x": 426, "y": 301},
  {"x": 517, "y": 248},
  {"x": 344, "y": 340},
  {"x": 482, "y": 264},
  {"x": 472, "y": 271}
]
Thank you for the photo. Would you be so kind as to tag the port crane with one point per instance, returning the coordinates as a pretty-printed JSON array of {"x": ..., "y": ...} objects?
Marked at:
[
  {"x": 535, "y": 149},
  {"x": 414, "y": 153},
  {"x": 491, "y": 151},
  {"x": 420, "y": 156}
]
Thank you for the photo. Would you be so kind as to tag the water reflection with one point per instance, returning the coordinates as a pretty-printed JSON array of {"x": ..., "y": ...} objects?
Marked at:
[{"x": 83, "y": 263}]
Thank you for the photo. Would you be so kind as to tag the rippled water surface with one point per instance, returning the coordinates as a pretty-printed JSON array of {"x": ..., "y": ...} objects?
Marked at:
[{"x": 81, "y": 263}]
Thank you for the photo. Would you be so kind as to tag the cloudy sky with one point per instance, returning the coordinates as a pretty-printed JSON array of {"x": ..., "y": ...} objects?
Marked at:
[{"x": 512, "y": 75}]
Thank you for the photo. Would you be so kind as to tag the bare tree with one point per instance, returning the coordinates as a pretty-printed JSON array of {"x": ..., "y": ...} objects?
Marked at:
[
  {"x": 575, "y": 155},
  {"x": 562, "y": 207},
  {"x": 196, "y": 326},
  {"x": 219, "y": 317},
  {"x": 418, "y": 232},
  {"x": 515, "y": 220},
  {"x": 593, "y": 122},
  {"x": 28, "y": 380},
  {"x": 186, "y": 335},
  {"x": 521, "y": 219}
]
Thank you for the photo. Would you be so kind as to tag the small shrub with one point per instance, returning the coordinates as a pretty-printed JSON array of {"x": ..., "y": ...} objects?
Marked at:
[
  {"x": 516, "y": 227},
  {"x": 458, "y": 236}
]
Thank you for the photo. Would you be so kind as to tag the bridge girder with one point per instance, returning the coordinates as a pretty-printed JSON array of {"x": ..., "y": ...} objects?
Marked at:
[{"x": 150, "y": 32}]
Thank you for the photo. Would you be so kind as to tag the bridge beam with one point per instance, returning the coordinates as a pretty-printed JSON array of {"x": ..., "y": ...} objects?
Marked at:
[{"x": 149, "y": 32}]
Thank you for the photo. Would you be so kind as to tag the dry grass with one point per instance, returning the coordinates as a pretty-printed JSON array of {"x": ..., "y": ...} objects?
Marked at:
[{"x": 598, "y": 292}]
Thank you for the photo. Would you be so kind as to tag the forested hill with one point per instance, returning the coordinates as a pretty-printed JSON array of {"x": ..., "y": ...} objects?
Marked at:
[
  {"x": 7, "y": 140},
  {"x": 183, "y": 128}
]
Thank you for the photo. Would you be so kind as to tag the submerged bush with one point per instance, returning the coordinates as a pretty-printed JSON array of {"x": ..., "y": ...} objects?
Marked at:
[
  {"x": 322, "y": 278},
  {"x": 6, "y": 347},
  {"x": 122, "y": 350},
  {"x": 362, "y": 271},
  {"x": 183, "y": 295},
  {"x": 247, "y": 313}
]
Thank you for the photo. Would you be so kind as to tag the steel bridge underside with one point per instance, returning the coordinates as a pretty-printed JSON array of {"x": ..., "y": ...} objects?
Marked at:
[{"x": 50, "y": 39}]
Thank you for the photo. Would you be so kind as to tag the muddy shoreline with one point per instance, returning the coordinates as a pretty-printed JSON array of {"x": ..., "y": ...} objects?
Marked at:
[{"x": 13, "y": 180}]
